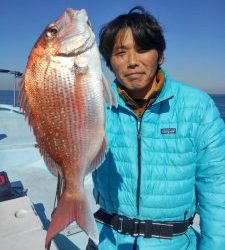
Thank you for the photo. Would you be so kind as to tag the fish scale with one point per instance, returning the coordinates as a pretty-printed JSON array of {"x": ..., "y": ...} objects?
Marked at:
[{"x": 62, "y": 93}]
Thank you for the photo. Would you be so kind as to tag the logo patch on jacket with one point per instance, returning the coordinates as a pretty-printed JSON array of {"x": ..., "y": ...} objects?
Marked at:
[{"x": 168, "y": 130}]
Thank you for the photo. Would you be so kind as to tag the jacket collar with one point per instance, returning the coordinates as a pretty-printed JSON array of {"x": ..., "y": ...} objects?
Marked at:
[{"x": 166, "y": 92}]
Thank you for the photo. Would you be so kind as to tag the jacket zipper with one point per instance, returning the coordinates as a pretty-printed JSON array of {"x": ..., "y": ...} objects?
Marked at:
[{"x": 139, "y": 163}]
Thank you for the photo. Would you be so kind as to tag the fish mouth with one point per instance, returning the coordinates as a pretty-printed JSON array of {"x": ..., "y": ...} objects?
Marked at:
[{"x": 76, "y": 35}]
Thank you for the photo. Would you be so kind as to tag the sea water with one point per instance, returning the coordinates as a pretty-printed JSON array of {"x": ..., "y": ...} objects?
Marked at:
[{"x": 7, "y": 97}]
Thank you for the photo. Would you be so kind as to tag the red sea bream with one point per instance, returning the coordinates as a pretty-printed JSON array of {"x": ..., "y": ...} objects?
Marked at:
[{"x": 63, "y": 93}]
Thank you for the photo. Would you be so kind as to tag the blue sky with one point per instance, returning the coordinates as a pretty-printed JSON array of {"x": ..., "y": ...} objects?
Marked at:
[{"x": 194, "y": 32}]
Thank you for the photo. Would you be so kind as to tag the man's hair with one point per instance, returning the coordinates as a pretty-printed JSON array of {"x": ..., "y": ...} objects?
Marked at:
[{"x": 145, "y": 28}]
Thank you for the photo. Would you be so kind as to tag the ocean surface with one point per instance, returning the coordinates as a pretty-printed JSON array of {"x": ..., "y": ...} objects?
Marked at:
[{"x": 7, "y": 97}]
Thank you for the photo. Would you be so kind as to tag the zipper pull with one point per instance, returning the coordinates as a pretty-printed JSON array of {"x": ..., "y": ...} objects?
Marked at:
[{"x": 138, "y": 124}]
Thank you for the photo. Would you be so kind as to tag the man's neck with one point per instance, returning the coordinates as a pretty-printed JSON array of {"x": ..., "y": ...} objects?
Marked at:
[
  {"x": 150, "y": 91},
  {"x": 140, "y": 104}
]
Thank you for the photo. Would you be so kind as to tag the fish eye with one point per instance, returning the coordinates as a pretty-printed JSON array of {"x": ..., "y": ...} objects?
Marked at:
[{"x": 51, "y": 32}]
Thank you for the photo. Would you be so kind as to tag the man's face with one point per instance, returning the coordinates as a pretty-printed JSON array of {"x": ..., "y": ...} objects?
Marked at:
[{"x": 134, "y": 67}]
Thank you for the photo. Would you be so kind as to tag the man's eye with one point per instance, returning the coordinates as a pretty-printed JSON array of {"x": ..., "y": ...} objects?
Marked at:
[
  {"x": 120, "y": 53},
  {"x": 142, "y": 50}
]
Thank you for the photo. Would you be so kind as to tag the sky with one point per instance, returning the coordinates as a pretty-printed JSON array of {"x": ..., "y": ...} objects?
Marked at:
[{"x": 194, "y": 31}]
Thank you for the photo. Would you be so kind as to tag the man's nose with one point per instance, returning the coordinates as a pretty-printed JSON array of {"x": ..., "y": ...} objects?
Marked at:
[{"x": 132, "y": 61}]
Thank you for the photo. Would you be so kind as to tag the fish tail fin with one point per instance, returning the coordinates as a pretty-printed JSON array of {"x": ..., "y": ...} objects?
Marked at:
[{"x": 68, "y": 210}]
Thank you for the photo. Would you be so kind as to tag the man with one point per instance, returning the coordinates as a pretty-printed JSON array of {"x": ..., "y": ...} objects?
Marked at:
[{"x": 166, "y": 150}]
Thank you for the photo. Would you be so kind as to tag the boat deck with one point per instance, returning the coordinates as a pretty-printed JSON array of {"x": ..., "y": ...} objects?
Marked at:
[{"x": 27, "y": 172}]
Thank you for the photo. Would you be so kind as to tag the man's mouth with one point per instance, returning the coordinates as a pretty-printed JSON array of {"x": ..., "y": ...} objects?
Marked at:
[{"x": 133, "y": 75}]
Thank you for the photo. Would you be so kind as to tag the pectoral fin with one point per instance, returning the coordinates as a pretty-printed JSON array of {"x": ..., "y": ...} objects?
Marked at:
[{"x": 80, "y": 66}]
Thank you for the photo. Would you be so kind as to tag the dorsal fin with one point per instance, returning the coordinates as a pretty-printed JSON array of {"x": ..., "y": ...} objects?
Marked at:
[{"x": 108, "y": 93}]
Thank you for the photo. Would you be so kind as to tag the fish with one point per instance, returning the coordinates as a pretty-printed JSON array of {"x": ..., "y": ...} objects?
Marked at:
[{"x": 63, "y": 93}]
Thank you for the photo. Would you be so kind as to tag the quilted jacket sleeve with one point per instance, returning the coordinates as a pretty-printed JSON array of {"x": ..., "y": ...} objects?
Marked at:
[{"x": 210, "y": 179}]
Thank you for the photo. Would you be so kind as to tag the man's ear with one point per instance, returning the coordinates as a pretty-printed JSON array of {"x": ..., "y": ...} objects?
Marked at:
[{"x": 161, "y": 60}]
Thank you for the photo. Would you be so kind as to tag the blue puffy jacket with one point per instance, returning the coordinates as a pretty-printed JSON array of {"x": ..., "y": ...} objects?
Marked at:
[{"x": 159, "y": 167}]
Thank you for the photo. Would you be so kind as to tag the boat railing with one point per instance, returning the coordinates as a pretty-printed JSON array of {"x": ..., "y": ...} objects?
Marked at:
[{"x": 16, "y": 74}]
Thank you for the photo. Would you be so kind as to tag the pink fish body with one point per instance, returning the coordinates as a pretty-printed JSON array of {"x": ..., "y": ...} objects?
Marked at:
[{"x": 63, "y": 93}]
